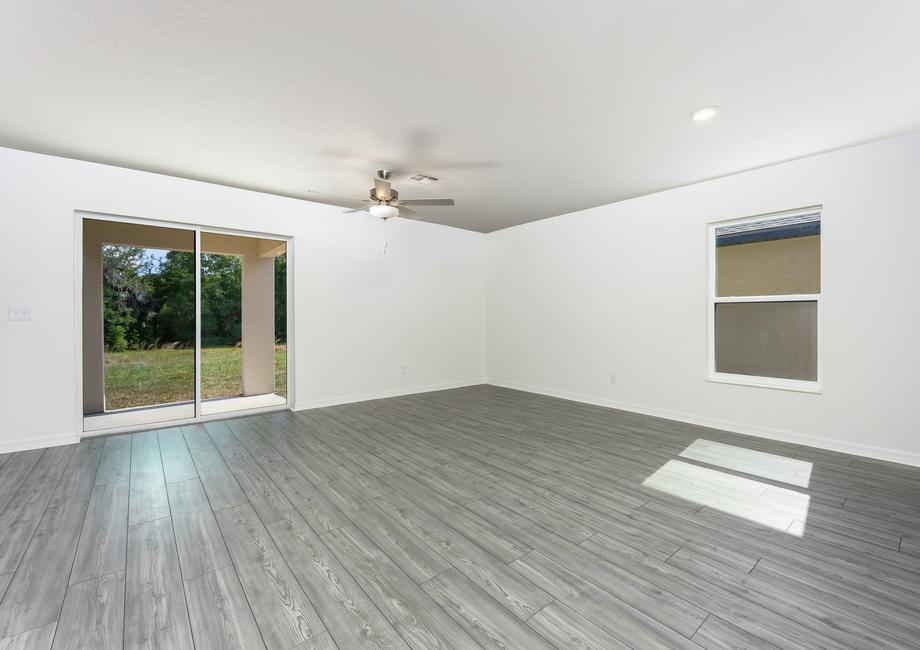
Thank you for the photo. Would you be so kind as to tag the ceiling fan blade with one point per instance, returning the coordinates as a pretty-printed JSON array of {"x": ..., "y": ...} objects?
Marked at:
[
  {"x": 409, "y": 213},
  {"x": 425, "y": 202},
  {"x": 382, "y": 189},
  {"x": 364, "y": 209}
]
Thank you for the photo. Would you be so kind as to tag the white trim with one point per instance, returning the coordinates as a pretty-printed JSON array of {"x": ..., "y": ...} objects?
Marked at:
[
  {"x": 398, "y": 392},
  {"x": 78, "y": 322},
  {"x": 794, "y": 385},
  {"x": 26, "y": 444},
  {"x": 197, "y": 299},
  {"x": 780, "y": 435},
  {"x": 775, "y": 383},
  {"x": 181, "y": 225},
  {"x": 289, "y": 335}
]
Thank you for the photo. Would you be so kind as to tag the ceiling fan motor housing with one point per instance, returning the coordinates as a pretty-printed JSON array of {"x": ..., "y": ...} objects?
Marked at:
[{"x": 394, "y": 195}]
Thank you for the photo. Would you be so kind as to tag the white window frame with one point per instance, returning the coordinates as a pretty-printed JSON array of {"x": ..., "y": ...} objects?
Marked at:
[{"x": 779, "y": 383}]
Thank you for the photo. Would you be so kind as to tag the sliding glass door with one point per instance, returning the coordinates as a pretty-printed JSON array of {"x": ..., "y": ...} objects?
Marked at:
[
  {"x": 179, "y": 323},
  {"x": 243, "y": 350},
  {"x": 138, "y": 324}
]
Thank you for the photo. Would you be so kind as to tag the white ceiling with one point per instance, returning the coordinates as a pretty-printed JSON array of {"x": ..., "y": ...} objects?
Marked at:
[{"x": 525, "y": 108}]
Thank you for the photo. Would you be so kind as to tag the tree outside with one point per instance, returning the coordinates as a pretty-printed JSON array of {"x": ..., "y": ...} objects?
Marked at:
[{"x": 149, "y": 325}]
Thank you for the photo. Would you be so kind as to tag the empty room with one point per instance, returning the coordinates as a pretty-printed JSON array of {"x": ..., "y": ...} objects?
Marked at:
[{"x": 589, "y": 324}]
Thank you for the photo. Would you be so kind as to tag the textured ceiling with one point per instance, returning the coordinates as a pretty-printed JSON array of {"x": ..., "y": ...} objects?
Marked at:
[{"x": 524, "y": 109}]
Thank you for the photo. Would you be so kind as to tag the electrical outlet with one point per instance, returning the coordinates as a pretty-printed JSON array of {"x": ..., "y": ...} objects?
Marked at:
[
  {"x": 404, "y": 370},
  {"x": 20, "y": 312},
  {"x": 613, "y": 378}
]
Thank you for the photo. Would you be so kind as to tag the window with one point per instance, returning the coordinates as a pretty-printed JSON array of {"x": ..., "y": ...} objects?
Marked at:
[{"x": 764, "y": 297}]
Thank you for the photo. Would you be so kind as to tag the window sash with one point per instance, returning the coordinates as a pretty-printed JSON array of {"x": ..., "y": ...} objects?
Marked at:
[
  {"x": 797, "y": 385},
  {"x": 795, "y": 297}
]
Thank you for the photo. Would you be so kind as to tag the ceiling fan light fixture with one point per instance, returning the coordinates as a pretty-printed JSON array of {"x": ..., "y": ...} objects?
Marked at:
[{"x": 384, "y": 211}]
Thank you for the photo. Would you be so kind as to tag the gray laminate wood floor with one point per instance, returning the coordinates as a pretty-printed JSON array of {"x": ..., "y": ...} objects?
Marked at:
[{"x": 472, "y": 517}]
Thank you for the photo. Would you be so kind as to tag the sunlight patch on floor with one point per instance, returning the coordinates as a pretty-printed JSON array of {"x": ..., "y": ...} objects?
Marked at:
[
  {"x": 748, "y": 461},
  {"x": 768, "y": 505}
]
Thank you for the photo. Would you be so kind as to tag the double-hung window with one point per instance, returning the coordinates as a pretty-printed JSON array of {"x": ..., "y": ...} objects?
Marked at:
[{"x": 764, "y": 300}]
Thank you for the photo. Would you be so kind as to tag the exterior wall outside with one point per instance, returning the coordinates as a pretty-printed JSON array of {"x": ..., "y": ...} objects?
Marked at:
[
  {"x": 777, "y": 267},
  {"x": 258, "y": 324}
]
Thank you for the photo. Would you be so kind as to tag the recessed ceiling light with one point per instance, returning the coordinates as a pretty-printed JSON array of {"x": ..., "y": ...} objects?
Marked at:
[{"x": 705, "y": 113}]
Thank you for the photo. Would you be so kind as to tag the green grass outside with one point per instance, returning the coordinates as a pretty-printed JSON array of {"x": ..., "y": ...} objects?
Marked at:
[{"x": 145, "y": 377}]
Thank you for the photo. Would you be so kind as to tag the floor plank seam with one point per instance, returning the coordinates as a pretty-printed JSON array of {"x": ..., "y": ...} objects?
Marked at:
[
  {"x": 124, "y": 619},
  {"x": 319, "y": 535},
  {"x": 668, "y": 560},
  {"x": 552, "y": 602},
  {"x": 38, "y": 525},
  {"x": 223, "y": 541},
  {"x": 386, "y": 615},
  {"x": 23, "y": 482},
  {"x": 703, "y": 622},
  {"x": 450, "y": 566}
]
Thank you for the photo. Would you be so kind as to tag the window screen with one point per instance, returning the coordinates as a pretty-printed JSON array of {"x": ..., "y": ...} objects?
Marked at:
[{"x": 768, "y": 339}]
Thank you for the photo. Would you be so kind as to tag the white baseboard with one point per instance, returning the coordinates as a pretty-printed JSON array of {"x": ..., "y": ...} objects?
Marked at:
[
  {"x": 398, "y": 392},
  {"x": 830, "y": 444},
  {"x": 38, "y": 442}
]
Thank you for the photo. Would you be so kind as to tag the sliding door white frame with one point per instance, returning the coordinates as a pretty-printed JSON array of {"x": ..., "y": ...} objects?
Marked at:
[
  {"x": 79, "y": 216},
  {"x": 197, "y": 322}
]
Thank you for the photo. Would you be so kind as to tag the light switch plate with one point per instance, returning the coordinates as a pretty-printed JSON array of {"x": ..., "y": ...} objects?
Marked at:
[{"x": 20, "y": 312}]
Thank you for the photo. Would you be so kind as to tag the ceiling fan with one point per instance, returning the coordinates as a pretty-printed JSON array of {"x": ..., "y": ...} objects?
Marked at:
[{"x": 384, "y": 201}]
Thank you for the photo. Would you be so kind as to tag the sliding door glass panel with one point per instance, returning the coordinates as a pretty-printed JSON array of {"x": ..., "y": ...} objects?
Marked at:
[
  {"x": 138, "y": 324},
  {"x": 240, "y": 347},
  {"x": 767, "y": 339},
  {"x": 221, "y": 325},
  {"x": 281, "y": 298}
]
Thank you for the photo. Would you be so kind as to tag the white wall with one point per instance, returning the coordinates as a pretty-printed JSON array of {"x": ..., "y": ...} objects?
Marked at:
[
  {"x": 569, "y": 300},
  {"x": 360, "y": 315},
  {"x": 622, "y": 289}
]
